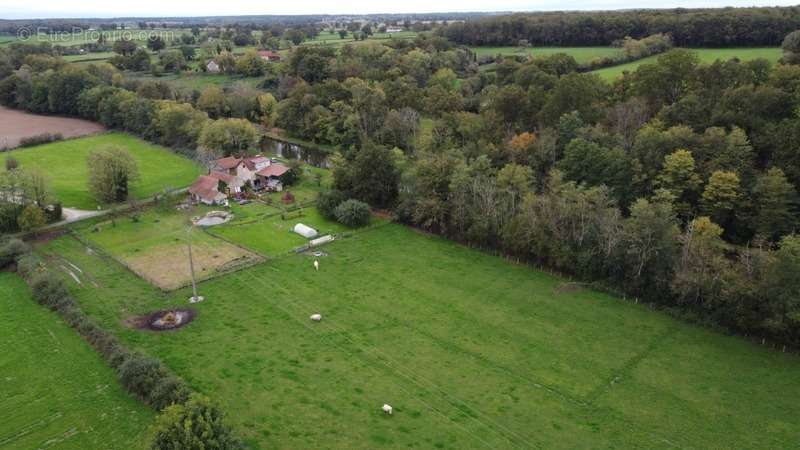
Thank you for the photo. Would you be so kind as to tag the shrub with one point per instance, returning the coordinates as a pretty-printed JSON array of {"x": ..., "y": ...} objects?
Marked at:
[
  {"x": 353, "y": 213},
  {"x": 32, "y": 217},
  {"x": 140, "y": 375},
  {"x": 198, "y": 423},
  {"x": 118, "y": 356},
  {"x": 327, "y": 202},
  {"x": 28, "y": 265},
  {"x": 39, "y": 139},
  {"x": 48, "y": 289},
  {"x": 169, "y": 391},
  {"x": 11, "y": 250},
  {"x": 11, "y": 163}
]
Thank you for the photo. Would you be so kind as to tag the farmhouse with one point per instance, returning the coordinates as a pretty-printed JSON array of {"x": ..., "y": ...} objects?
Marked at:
[
  {"x": 206, "y": 190},
  {"x": 269, "y": 178},
  {"x": 212, "y": 67},
  {"x": 269, "y": 56},
  {"x": 232, "y": 176}
]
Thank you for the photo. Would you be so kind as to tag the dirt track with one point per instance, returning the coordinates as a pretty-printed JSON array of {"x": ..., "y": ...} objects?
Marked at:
[{"x": 15, "y": 125}]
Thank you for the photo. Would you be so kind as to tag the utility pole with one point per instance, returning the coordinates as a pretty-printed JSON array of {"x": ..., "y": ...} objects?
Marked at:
[{"x": 194, "y": 298}]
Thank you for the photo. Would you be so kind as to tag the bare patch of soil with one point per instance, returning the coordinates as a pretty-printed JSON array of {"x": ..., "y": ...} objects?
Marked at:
[
  {"x": 167, "y": 266},
  {"x": 165, "y": 320},
  {"x": 16, "y": 125}
]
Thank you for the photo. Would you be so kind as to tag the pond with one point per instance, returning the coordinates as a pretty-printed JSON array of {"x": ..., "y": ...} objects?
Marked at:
[{"x": 309, "y": 155}]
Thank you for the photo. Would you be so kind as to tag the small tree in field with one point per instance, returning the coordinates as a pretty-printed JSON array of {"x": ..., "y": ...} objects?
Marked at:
[
  {"x": 196, "y": 424},
  {"x": 11, "y": 163},
  {"x": 111, "y": 170},
  {"x": 31, "y": 218}
]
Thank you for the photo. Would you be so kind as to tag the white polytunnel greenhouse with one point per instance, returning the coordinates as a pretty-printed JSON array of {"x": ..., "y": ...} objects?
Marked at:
[{"x": 305, "y": 231}]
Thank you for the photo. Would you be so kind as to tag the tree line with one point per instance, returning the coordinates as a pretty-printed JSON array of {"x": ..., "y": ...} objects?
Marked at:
[
  {"x": 676, "y": 184},
  {"x": 728, "y": 27}
]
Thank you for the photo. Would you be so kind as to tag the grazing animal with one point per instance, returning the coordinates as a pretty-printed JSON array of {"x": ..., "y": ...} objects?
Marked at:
[
  {"x": 387, "y": 409},
  {"x": 316, "y": 317},
  {"x": 316, "y": 264}
]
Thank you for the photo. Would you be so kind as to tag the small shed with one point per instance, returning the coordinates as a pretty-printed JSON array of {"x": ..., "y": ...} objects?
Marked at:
[{"x": 305, "y": 231}]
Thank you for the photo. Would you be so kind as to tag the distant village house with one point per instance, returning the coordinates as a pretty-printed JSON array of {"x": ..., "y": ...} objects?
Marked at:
[
  {"x": 269, "y": 56},
  {"x": 212, "y": 67}
]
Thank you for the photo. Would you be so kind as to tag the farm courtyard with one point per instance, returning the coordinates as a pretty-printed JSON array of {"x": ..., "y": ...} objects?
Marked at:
[{"x": 471, "y": 350}]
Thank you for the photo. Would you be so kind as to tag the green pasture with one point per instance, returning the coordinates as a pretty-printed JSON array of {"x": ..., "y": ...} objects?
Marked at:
[
  {"x": 271, "y": 234},
  {"x": 471, "y": 350},
  {"x": 581, "y": 54},
  {"x": 706, "y": 55},
  {"x": 65, "y": 164},
  {"x": 325, "y": 38},
  {"x": 199, "y": 80},
  {"x": 89, "y": 57},
  {"x": 56, "y": 390}
]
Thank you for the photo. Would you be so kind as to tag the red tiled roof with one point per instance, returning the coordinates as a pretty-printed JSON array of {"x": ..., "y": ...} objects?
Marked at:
[
  {"x": 227, "y": 163},
  {"x": 275, "y": 170},
  {"x": 224, "y": 177},
  {"x": 250, "y": 163},
  {"x": 268, "y": 54},
  {"x": 205, "y": 187}
]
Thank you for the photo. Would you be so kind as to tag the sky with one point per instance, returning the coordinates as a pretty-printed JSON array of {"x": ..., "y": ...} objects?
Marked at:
[{"x": 17, "y": 9}]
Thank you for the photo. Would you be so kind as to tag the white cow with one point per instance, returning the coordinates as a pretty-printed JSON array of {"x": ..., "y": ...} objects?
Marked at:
[
  {"x": 387, "y": 409},
  {"x": 316, "y": 264},
  {"x": 316, "y": 317}
]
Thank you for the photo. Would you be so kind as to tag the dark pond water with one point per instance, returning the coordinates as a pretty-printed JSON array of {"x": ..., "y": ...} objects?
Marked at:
[{"x": 286, "y": 150}]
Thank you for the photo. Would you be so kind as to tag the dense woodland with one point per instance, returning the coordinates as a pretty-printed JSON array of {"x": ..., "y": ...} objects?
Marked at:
[
  {"x": 676, "y": 184},
  {"x": 726, "y": 27}
]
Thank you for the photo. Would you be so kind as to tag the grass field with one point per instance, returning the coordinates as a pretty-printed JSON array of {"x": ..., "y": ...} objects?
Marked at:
[
  {"x": 65, "y": 164},
  {"x": 89, "y": 57},
  {"x": 155, "y": 247},
  {"x": 272, "y": 235},
  {"x": 581, "y": 54},
  {"x": 198, "y": 80},
  {"x": 325, "y": 38},
  {"x": 706, "y": 55},
  {"x": 56, "y": 391},
  {"x": 472, "y": 352}
]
